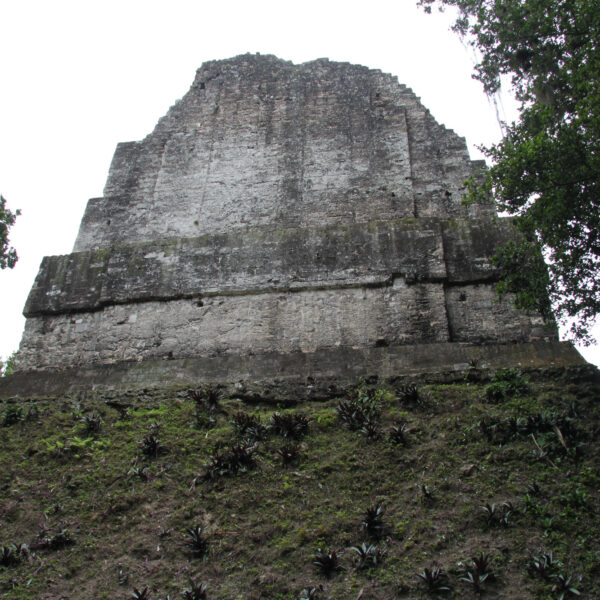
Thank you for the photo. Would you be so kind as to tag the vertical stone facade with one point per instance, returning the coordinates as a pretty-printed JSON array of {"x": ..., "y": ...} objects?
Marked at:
[{"x": 277, "y": 208}]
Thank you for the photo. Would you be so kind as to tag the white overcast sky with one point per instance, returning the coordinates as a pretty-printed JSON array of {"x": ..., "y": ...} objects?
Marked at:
[{"x": 77, "y": 77}]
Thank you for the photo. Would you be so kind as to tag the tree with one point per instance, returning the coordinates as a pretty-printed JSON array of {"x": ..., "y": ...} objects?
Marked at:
[
  {"x": 8, "y": 256},
  {"x": 8, "y": 367},
  {"x": 546, "y": 170}
]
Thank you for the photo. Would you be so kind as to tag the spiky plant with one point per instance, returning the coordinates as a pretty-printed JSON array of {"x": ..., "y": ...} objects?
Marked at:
[
  {"x": 310, "y": 593},
  {"x": 249, "y": 427},
  {"x": 435, "y": 580},
  {"x": 327, "y": 563},
  {"x": 196, "y": 591},
  {"x": 409, "y": 394},
  {"x": 59, "y": 540},
  {"x": 92, "y": 423},
  {"x": 564, "y": 587},
  {"x": 289, "y": 425},
  {"x": 427, "y": 493},
  {"x": 482, "y": 565},
  {"x": 10, "y": 555},
  {"x": 207, "y": 396},
  {"x": 288, "y": 453},
  {"x": 142, "y": 472},
  {"x": 544, "y": 565},
  {"x": 372, "y": 522},
  {"x": 196, "y": 543},
  {"x": 140, "y": 594},
  {"x": 497, "y": 515},
  {"x": 473, "y": 578},
  {"x": 150, "y": 445},
  {"x": 368, "y": 556},
  {"x": 12, "y": 415},
  {"x": 370, "y": 429},
  {"x": 397, "y": 434}
]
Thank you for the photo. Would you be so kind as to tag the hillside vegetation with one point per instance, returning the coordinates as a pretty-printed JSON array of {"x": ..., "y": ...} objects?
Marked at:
[{"x": 494, "y": 478}]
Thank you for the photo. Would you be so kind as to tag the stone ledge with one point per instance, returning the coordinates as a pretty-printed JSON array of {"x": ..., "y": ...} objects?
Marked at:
[
  {"x": 286, "y": 376},
  {"x": 263, "y": 260}
]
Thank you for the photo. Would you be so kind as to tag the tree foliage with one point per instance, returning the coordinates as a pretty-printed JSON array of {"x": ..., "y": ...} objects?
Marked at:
[
  {"x": 546, "y": 170},
  {"x": 8, "y": 255}
]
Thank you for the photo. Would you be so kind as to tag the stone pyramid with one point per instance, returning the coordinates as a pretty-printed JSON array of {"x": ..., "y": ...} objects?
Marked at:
[{"x": 282, "y": 223}]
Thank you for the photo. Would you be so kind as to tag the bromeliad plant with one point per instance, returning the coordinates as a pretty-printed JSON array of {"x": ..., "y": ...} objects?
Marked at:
[
  {"x": 196, "y": 591},
  {"x": 327, "y": 563},
  {"x": 370, "y": 429},
  {"x": 11, "y": 554},
  {"x": 289, "y": 425},
  {"x": 239, "y": 457},
  {"x": 397, "y": 434},
  {"x": 196, "y": 543},
  {"x": 140, "y": 594},
  {"x": 59, "y": 540},
  {"x": 359, "y": 408},
  {"x": 435, "y": 580},
  {"x": 92, "y": 423},
  {"x": 288, "y": 453},
  {"x": 150, "y": 445},
  {"x": 207, "y": 396},
  {"x": 248, "y": 427},
  {"x": 477, "y": 572},
  {"x": 372, "y": 522},
  {"x": 409, "y": 395},
  {"x": 12, "y": 415},
  {"x": 206, "y": 400},
  {"x": 544, "y": 565},
  {"x": 497, "y": 515},
  {"x": 368, "y": 556},
  {"x": 310, "y": 593},
  {"x": 564, "y": 587}
]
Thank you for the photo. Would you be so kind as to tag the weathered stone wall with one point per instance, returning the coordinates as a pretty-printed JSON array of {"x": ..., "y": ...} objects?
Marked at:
[
  {"x": 278, "y": 210},
  {"x": 258, "y": 141}
]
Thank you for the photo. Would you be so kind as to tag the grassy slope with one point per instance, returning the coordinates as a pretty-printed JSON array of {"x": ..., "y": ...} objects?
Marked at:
[{"x": 264, "y": 526}]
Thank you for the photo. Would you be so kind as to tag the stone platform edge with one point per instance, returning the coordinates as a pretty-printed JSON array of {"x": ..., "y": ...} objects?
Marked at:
[{"x": 290, "y": 376}]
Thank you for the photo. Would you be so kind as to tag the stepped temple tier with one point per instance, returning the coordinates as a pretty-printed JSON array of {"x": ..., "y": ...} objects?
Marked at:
[{"x": 282, "y": 223}]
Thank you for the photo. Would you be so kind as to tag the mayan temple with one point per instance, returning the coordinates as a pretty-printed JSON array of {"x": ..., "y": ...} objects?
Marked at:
[{"x": 282, "y": 223}]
